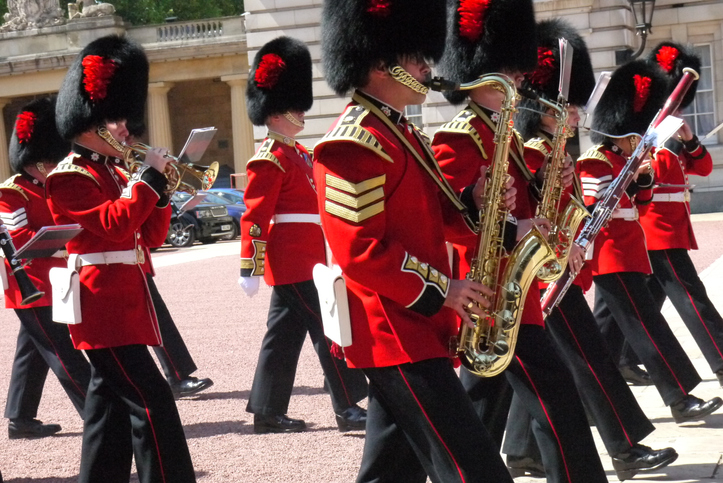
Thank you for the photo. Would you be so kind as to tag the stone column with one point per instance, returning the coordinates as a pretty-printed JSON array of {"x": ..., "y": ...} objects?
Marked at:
[
  {"x": 159, "y": 118},
  {"x": 243, "y": 132},
  {"x": 5, "y": 170}
]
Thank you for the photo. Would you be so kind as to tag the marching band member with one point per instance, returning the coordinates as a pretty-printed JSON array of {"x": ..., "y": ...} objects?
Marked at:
[
  {"x": 619, "y": 419},
  {"x": 480, "y": 42},
  {"x": 619, "y": 262},
  {"x": 282, "y": 240},
  {"x": 666, "y": 220},
  {"x": 384, "y": 207},
  {"x": 129, "y": 408},
  {"x": 35, "y": 149}
]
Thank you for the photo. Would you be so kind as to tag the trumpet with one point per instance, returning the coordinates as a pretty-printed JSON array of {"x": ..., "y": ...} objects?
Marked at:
[{"x": 180, "y": 176}]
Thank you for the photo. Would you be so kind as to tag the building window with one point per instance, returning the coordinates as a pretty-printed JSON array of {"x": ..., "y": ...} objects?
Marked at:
[
  {"x": 413, "y": 114},
  {"x": 700, "y": 114}
]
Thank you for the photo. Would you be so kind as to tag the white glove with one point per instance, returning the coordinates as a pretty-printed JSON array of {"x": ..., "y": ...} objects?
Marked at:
[
  {"x": 156, "y": 159},
  {"x": 250, "y": 285}
]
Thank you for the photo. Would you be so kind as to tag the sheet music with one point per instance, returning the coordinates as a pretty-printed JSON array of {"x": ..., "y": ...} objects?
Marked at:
[
  {"x": 666, "y": 129},
  {"x": 196, "y": 145},
  {"x": 47, "y": 241},
  {"x": 600, "y": 86}
]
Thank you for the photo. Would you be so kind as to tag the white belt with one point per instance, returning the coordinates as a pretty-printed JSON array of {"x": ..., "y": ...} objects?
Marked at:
[
  {"x": 679, "y": 197},
  {"x": 297, "y": 218},
  {"x": 129, "y": 257},
  {"x": 628, "y": 214}
]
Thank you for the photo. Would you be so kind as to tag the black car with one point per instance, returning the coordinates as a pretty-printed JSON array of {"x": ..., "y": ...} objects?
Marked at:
[{"x": 205, "y": 222}]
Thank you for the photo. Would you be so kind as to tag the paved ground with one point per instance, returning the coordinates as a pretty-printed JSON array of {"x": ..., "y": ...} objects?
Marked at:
[{"x": 223, "y": 330}]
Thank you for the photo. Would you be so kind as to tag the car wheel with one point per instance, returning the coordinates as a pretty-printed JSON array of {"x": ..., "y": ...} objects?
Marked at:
[
  {"x": 179, "y": 236},
  {"x": 233, "y": 234}
]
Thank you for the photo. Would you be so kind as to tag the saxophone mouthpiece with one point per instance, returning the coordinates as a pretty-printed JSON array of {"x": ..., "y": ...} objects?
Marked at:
[{"x": 440, "y": 84}]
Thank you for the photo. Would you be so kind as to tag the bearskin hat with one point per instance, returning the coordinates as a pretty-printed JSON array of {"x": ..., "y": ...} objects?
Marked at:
[
  {"x": 635, "y": 93},
  {"x": 672, "y": 58},
  {"x": 358, "y": 34},
  {"x": 108, "y": 81},
  {"x": 280, "y": 80},
  {"x": 545, "y": 78},
  {"x": 35, "y": 137},
  {"x": 486, "y": 36}
]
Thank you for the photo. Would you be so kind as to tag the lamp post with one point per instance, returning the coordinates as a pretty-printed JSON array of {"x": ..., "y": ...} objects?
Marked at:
[{"x": 643, "y": 17}]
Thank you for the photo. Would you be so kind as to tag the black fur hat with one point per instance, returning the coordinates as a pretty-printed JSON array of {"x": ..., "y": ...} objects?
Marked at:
[
  {"x": 545, "y": 79},
  {"x": 486, "y": 36},
  {"x": 637, "y": 90},
  {"x": 672, "y": 58},
  {"x": 108, "y": 81},
  {"x": 358, "y": 34},
  {"x": 280, "y": 80},
  {"x": 35, "y": 137}
]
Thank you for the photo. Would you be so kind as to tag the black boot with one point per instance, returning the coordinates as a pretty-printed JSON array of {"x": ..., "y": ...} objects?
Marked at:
[
  {"x": 635, "y": 376},
  {"x": 691, "y": 408},
  {"x": 277, "y": 424},
  {"x": 30, "y": 428},
  {"x": 641, "y": 458},
  {"x": 351, "y": 419},
  {"x": 525, "y": 466},
  {"x": 190, "y": 386}
]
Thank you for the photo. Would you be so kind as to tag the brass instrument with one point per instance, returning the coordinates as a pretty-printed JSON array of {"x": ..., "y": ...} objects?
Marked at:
[
  {"x": 28, "y": 291},
  {"x": 487, "y": 349},
  {"x": 180, "y": 176}
]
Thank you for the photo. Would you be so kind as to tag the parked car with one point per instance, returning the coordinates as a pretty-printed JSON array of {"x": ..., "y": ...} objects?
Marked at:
[
  {"x": 206, "y": 222},
  {"x": 229, "y": 194},
  {"x": 234, "y": 208}
]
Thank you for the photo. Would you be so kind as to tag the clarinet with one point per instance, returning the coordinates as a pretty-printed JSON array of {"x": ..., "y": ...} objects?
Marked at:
[
  {"x": 603, "y": 211},
  {"x": 27, "y": 290}
]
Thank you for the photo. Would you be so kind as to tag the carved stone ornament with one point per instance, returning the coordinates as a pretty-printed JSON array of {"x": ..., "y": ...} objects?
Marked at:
[
  {"x": 89, "y": 8},
  {"x": 32, "y": 14}
]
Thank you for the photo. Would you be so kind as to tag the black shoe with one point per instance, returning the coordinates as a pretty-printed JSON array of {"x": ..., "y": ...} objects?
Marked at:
[
  {"x": 190, "y": 386},
  {"x": 635, "y": 376},
  {"x": 691, "y": 408},
  {"x": 525, "y": 466},
  {"x": 719, "y": 375},
  {"x": 277, "y": 424},
  {"x": 30, "y": 428},
  {"x": 352, "y": 419},
  {"x": 642, "y": 458}
]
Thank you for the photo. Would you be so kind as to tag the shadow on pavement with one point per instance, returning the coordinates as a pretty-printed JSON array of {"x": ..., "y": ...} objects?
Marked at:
[{"x": 204, "y": 430}]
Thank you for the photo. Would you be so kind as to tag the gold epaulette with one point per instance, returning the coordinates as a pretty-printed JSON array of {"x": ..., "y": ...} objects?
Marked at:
[
  {"x": 264, "y": 154},
  {"x": 349, "y": 129},
  {"x": 425, "y": 137},
  {"x": 594, "y": 154},
  {"x": 9, "y": 184},
  {"x": 538, "y": 144},
  {"x": 67, "y": 166},
  {"x": 461, "y": 125},
  {"x": 124, "y": 173}
]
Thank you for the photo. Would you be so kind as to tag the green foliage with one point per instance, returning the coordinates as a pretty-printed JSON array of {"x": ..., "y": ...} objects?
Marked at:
[{"x": 141, "y": 12}]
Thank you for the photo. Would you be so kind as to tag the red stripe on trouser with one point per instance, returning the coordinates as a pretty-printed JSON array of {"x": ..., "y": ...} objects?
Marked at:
[
  {"x": 640, "y": 319},
  {"x": 150, "y": 421},
  {"x": 62, "y": 364},
  {"x": 326, "y": 341},
  {"x": 547, "y": 415},
  {"x": 692, "y": 302},
  {"x": 592, "y": 371},
  {"x": 449, "y": 452}
]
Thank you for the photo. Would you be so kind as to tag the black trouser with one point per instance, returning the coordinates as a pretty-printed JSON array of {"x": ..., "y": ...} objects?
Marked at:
[
  {"x": 634, "y": 316},
  {"x": 174, "y": 357},
  {"x": 44, "y": 344},
  {"x": 294, "y": 312},
  {"x": 130, "y": 411},
  {"x": 603, "y": 390},
  {"x": 545, "y": 386},
  {"x": 420, "y": 422}
]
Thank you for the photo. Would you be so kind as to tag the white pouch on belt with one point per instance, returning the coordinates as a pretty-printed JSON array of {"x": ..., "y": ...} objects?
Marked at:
[
  {"x": 334, "y": 303},
  {"x": 66, "y": 293}
]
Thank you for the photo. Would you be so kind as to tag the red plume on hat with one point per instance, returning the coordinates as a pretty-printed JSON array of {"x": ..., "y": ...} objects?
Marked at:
[
  {"x": 269, "y": 70},
  {"x": 97, "y": 73},
  {"x": 642, "y": 92},
  {"x": 666, "y": 57},
  {"x": 545, "y": 68},
  {"x": 24, "y": 125},
  {"x": 471, "y": 18},
  {"x": 380, "y": 8},
  {"x": 672, "y": 58}
]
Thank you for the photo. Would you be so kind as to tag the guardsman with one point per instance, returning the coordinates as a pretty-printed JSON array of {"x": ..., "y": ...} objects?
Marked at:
[
  {"x": 481, "y": 42},
  {"x": 666, "y": 220},
  {"x": 129, "y": 408},
  {"x": 35, "y": 149},
  {"x": 282, "y": 240},
  {"x": 609, "y": 401},
  {"x": 384, "y": 206},
  {"x": 635, "y": 93}
]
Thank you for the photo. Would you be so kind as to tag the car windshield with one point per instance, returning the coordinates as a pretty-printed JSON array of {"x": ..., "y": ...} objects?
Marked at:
[
  {"x": 230, "y": 197},
  {"x": 212, "y": 198}
]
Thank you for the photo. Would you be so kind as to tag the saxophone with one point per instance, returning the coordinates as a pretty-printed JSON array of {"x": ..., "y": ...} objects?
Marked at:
[
  {"x": 564, "y": 224},
  {"x": 487, "y": 349}
]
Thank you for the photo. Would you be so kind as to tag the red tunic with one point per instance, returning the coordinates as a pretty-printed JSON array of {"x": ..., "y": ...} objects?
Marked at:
[
  {"x": 385, "y": 225},
  {"x": 116, "y": 215},
  {"x": 536, "y": 150},
  {"x": 24, "y": 210},
  {"x": 620, "y": 246},
  {"x": 667, "y": 223},
  {"x": 461, "y": 153},
  {"x": 280, "y": 182}
]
